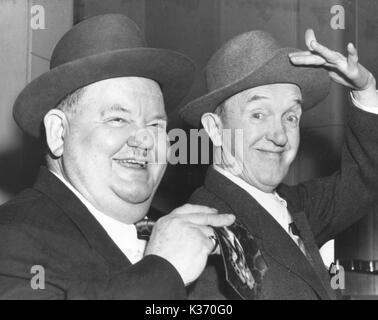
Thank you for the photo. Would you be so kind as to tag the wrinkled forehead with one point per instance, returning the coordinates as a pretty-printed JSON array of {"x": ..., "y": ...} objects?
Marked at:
[{"x": 129, "y": 92}]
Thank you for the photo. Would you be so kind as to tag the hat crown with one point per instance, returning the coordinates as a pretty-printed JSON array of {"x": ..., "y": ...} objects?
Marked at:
[
  {"x": 97, "y": 35},
  {"x": 239, "y": 57}
]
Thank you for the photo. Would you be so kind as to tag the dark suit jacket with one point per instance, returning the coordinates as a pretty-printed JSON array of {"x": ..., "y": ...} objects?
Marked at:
[
  {"x": 49, "y": 226},
  {"x": 320, "y": 208}
]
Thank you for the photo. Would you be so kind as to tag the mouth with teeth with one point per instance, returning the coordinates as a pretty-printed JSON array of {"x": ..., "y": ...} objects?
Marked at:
[{"x": 132, "y": 163}]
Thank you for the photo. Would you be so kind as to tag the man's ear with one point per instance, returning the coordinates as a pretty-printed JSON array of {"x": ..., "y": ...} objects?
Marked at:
[
  {"x": 55, "y": 122},
  {"x": 213, "y": 126}
]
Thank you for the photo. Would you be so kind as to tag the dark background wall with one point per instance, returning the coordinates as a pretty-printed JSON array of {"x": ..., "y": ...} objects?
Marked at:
[{"x": 197, "y": 28}]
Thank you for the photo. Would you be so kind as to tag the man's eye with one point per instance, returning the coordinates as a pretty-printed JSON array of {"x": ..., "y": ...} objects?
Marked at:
[
  {"x": 158, "y": 124},
  {"x": 293, "y": 119},
  {"x": 117, "y": 121},
  {"x": 257, "y": 115}
]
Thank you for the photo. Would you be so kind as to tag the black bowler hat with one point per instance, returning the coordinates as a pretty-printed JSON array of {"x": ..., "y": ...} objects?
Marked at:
[{"x": 99, "y": 48}]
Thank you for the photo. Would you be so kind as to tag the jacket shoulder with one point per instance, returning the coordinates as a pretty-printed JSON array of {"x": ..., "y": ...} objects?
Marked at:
[
  {"x": 34, "y": 209},
  {"x": 205, "y": 197}
]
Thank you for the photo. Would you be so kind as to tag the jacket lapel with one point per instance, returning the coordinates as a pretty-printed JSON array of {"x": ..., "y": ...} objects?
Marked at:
[
  {"x": 76, "y": 211},
  {"x": 312, "y": 249},
  {"x": 280, "y": 246},
  {"x": 275, "y": 241}
]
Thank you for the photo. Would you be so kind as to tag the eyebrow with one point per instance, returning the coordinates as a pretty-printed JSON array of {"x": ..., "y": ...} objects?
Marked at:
[
  {"x": 256, "y": 97},
  {"x": 119, "y": 108},
  {"x": 297, "y": 102},
  {"x": 115, "y": 108},
  {"x": 161, "y": 117}
]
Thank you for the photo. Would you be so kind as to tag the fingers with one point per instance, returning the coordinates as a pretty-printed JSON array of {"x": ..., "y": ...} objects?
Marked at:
[
  {"x": 192, "y": 208},
  {"x": 329, "y": 55},
  {"x": 211, "y": 239},
  {"x": 352, "y": 54},
  {"x": 309, "y": 37},
  {"x": 213, "y": 220},
  {"x": 306, "y": 58},
  {"x": 206, "y": 230}
]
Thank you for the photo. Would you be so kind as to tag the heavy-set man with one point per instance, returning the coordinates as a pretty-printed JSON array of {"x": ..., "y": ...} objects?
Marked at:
[{"x": 102, "y": 112}]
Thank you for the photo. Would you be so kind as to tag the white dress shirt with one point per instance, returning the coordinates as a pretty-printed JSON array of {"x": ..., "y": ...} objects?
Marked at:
[
  {"x": 271, "y": 202},
  {"x": 362, "y": 107},
  {"x": 124, "y": 235}
]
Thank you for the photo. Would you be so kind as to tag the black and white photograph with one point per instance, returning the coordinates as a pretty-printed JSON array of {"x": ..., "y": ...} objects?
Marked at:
[{"x": 204, "y": 151}]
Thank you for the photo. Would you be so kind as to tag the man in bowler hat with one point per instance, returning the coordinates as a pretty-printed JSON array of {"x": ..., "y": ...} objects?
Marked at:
[
  {"x": 102, "y": 112},
  {"x": 261, "y": 88}
]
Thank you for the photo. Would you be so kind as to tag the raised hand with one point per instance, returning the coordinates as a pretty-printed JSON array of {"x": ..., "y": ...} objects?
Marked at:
[{"x": 343, "y": 70}]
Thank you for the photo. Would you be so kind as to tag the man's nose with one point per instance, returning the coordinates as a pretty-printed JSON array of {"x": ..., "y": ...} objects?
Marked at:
[
  {"x": 141, "y": 139},
  {"x": 277, "y": 134}
]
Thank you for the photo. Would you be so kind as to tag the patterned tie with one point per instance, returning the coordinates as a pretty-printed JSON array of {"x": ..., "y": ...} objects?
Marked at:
[
  {"x": 244, "y": 264},
  {"x": 144, "y": 228}
]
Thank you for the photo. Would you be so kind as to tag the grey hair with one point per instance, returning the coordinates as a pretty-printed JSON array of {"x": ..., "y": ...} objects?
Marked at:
[
  {"x": 221, "y": 110},
  {"x": 69, "y": 104}
]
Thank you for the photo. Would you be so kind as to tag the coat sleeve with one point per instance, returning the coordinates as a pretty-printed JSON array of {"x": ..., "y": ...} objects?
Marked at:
[
  {"x": 334, "y": 203},
  {"x": 21, "y": 248}
]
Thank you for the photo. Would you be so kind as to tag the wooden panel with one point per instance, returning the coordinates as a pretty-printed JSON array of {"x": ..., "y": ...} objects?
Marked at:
[
  {"x": 361, "y": 240},
  {"x": 58, "y": 19},
  {"x": 134, "y": 9},
  {"x": 317, "y": 15},
  {"x": 274, "y": 16},
  {"x": 330, "y": 113},
  {"x": 190, "y": 27},
  {"x": 14, "y": 18}
]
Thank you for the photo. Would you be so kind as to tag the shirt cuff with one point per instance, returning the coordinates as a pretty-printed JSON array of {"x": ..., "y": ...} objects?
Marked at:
[{"x": 362, "y": 107}]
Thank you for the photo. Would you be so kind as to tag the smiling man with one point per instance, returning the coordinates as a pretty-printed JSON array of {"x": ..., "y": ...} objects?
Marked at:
[
  {"x": 261, "y": 89},
  {"x": 102, "y": 112}
]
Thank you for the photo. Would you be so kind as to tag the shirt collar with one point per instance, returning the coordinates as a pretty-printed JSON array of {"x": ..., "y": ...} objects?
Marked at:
[
  {"x": 271, "y": 202},
  {"x": 124, "y": 235}
]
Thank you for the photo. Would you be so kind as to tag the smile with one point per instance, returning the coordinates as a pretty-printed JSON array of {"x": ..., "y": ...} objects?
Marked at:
[
  {"x": 132, "y": 163},
  {"x": 271, "y": 153}
]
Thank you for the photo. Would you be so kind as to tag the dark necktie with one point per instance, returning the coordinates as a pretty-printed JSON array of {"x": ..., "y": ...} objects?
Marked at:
[
  {"x": 298, "y": 240},
  {"x": 144, "y": 228},
  {"x": 294, "y": 229}
]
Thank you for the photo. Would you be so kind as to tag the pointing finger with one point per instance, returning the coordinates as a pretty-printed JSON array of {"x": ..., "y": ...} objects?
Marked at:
[
  {"x": 309, "y": 37},
  {"x": 352, "y": 53},
  {"x": 214, "y": 220},
  {"x": 193, "y": 208},
  {"x": 300, "y": 54},
  {"x": 308, "y": 60}
]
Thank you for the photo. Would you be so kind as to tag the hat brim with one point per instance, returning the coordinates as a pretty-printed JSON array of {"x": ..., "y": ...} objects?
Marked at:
[
  {"x": 314, "y": 83},
  {"x": 173, "y": 71}
]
